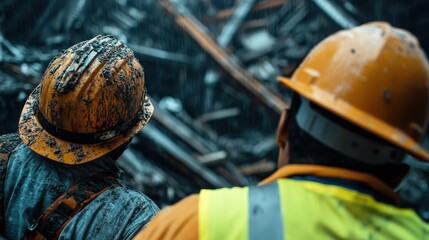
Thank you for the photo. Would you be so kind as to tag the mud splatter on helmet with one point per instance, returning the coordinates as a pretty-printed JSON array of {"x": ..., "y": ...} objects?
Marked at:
[{"x": 91, "y": 100}]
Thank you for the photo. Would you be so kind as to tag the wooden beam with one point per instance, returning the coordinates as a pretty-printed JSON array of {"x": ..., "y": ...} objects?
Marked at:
[
  {"x": 224, "y": 14},
  {"x": 188, "y": 23}
]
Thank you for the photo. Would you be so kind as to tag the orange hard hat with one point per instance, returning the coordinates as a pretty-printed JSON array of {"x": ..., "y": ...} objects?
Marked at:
[
  {"x": 374, "y": 76},
  {"x": 91, "y": 100}
]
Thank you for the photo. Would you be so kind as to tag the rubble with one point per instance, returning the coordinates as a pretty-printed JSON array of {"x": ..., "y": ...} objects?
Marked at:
[{"x": 210, "y": 67}]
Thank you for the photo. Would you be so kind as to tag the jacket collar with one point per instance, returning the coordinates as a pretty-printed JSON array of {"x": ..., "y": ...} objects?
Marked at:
[{"x": 333, "y": 172}]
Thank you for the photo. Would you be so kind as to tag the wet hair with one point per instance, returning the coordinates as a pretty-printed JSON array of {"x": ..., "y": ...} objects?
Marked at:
[{"x": 304, "y": 149}]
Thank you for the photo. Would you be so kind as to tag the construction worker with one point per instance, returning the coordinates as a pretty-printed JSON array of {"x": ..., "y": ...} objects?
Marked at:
[
  {"x": 360, "y": 104},
  {"x": 62, "y": 180}
]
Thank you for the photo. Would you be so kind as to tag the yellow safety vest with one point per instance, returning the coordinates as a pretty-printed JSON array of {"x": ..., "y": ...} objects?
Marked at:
[{"x": 297, "y": 209}]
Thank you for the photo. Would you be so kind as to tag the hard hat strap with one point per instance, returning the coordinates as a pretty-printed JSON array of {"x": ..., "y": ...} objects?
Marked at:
[
  {"x": 343, "y": 140},
  {"x": 88, "y": 138}
]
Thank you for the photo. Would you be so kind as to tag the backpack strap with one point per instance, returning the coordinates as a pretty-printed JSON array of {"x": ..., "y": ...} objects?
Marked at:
[
  {"x": 51, "y": 223},
  {"x": 8, "y": 142}
]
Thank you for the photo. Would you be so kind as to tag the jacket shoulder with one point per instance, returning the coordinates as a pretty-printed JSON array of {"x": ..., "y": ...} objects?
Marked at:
[
  {"x": 179, "y": 221},
  {"x": 117, "y": 213}
]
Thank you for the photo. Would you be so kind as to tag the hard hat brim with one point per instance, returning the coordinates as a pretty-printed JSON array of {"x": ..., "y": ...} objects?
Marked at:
[
  {"x": 56, "y": 149},
  {"x": 357, "y": 117}
]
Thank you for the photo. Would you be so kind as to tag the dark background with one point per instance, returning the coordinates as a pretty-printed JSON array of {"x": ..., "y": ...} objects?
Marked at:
[{"x": 209, "y": 131}]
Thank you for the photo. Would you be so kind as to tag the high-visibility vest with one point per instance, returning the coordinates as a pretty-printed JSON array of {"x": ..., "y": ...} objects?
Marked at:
[{"x": 298, "y": 209}]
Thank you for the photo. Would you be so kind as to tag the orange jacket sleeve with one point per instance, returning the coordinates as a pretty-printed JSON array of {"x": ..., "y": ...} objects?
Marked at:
[{"x": 179, "y": 221}]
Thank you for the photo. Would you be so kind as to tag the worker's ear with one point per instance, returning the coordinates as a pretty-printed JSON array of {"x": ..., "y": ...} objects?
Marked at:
[
  {"x": 282, "y": 138},
  {"x": 283, "y": 129}
]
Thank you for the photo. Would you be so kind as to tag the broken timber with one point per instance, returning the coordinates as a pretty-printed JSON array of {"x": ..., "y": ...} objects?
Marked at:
[
  {"x": 208, "y": 152},
  {"x": 241, "y": 10},
  {"x": 229, "y": 30},
  {"x": 336, "y": 13},
  {"x": 261, "y": 6},
  {"x": 181, "y": 159},
  {"x": 187, "y": 22}
]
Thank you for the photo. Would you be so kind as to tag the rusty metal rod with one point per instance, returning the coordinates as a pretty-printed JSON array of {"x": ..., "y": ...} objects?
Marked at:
[
  {"x": 224, "y": 14},
  {"x": 188, "y": 23}
]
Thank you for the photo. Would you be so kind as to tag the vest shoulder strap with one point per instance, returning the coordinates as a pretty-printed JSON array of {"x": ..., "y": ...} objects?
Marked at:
[
  {"x": 51, "y": 223},
  {"x": 8, "y": 142},
  {"x": 253, "y": 213}
]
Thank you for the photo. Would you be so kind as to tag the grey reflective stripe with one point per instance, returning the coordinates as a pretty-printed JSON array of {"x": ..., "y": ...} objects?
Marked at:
[{"x": 265, "y": 215}]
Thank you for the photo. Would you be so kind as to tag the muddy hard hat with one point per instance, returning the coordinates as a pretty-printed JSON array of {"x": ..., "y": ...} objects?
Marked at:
[
  {"x": 92, "y": 98},
  {"x": 374, "y": 76}
]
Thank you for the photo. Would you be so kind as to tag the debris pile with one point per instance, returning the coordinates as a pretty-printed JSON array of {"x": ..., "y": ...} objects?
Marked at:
[{"x": 211, "y": 70}]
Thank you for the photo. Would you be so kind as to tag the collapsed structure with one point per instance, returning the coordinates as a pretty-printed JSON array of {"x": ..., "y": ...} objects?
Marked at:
[{"x": 211, "y": 67}]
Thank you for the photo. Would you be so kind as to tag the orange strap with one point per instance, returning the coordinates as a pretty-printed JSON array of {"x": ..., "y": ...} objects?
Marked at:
[
  {"x": 325, "y": 171},
  {"x": 51, "y": 223}
]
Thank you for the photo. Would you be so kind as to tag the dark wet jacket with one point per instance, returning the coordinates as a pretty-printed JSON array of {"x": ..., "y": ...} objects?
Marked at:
[{"x": 33, "y": 183}]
